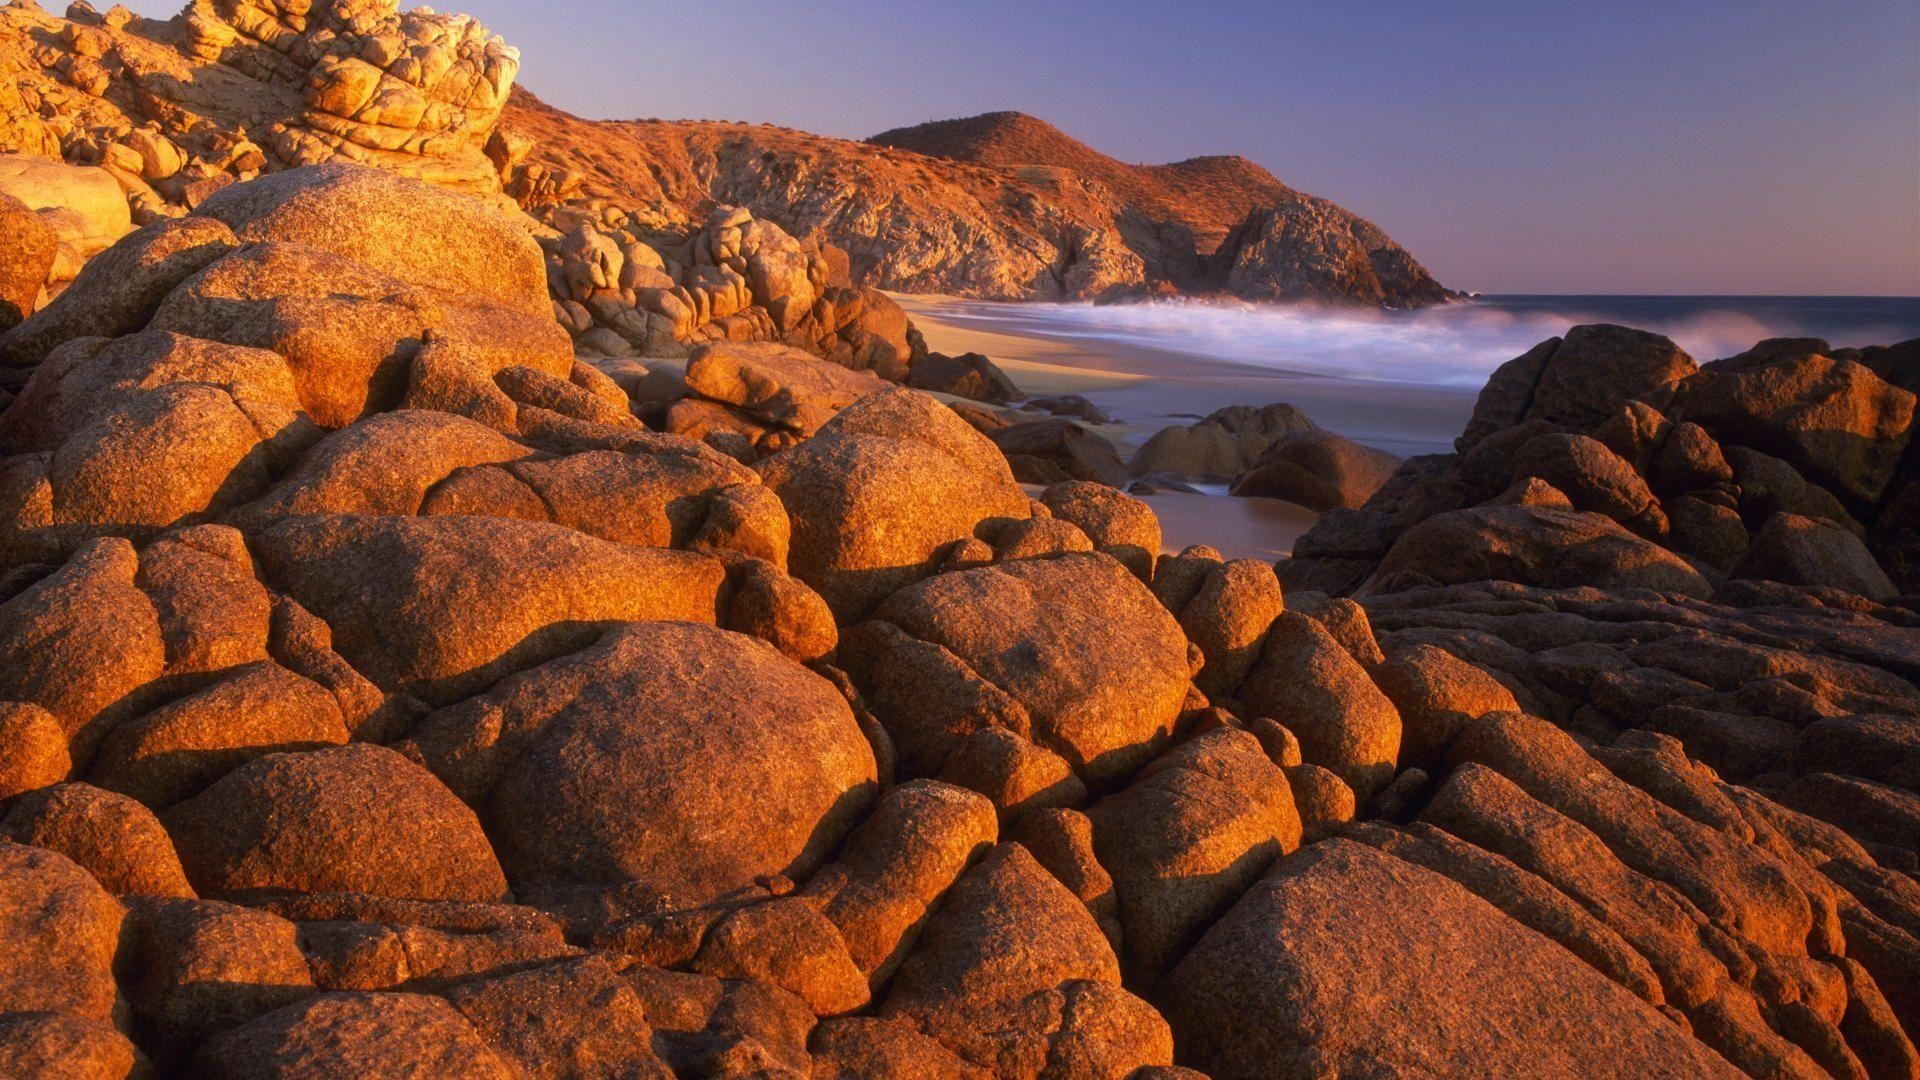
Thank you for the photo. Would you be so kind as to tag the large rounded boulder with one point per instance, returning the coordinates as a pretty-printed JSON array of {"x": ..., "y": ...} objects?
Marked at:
[
  {"x": 1318, "y": 470},
  {"x": 394, "y": 224},
  {"x": 357, "y": 819},
  {"x": 883, "y": 488},
  {"x": 1533, "y": 545},
  {"x": 1071, "y": 654},
  {"x": 1439, "y": 983},
  {"x": 444, "y": 606},
  {"x": 682, "y": 759}
]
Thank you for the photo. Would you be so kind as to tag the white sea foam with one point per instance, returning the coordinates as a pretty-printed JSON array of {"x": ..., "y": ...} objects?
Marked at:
[{"x": 1456, "y": 345}]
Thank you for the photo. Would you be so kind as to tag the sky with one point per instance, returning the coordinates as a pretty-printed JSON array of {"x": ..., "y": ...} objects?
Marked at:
[{"x": 1700, "y": 146}]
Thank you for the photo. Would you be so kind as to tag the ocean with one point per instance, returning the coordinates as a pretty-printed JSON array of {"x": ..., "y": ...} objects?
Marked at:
[
  {"x": 1454, "y": 345},
  {"x": 1401, "y": 380}
]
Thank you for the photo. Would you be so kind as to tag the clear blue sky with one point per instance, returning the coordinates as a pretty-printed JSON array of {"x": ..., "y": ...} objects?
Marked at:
[{"x": 1739, "y": 146}]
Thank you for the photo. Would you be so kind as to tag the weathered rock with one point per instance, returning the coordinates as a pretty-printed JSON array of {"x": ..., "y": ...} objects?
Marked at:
[
  {"x": 1322, "y": 799},
  {"x": 1536, "y": 546},
  {"x": 1270, "y": 990},
  {"x": 1227, "y": 616},
  {"x": 1437, "y": 694},
  {"x": 1309, "y": 249},
  {"x": 33, "y": 749},
  {"x": 60, "y": 932},
  {"x": 1688, "y": 459},
  {"x": 705, "y": 1026},
  {"x": 386, "y": 464},
  {"x": 1039, "y": 537},
  {"x": 1318, "y": 470},
  {"x": 119, "y": 289},
  {"x": 687, "y": 760},
  {"x": 865, "y": 521},
  {"x": 1013, "y": 974},
  {"x": 1769, "y": 485},
  {"x": 969, "y": 375},
  {"x": 81, "y": 642},
  {"x": 56, "y": 1044},
  {"x": 353, "y": 1034},
  {"x": 83, "y": 205},
  {"x": 348, "y": 819},
  {"x": 28, "y": 247},
  {"x": 1062, "y": 841},
  {"x": 921, "y": 836},
  {"x": 205, "y": 966},
  {"x": 1504, "y": 400},
  {"x": 571, "y": 1018},
  {"x": 1834, "y": 419},
  {"x": 1305, "y": 680},
  {"x": 856, "y": 1047},
  {"x": 1220, "y": 447},
  {"x": 349, "y": 332},
  {"x": 112, "y": 837},
  {"x": 1118, "y": 524},
  {"x": 1187, "y": 837},
  {"x": 149, "y": 431},
  {"x": 394, "y": 225},
  {"x": 1592, "y": 477},
  {"x": 777, "y": 384},
  {"x": 1803, "y": 551},
  {"x": 1072, "y": 654},
  {"x": 1052, "y": 451},
  {"x": 178, "y": 749},
  {"x": 520, "y": 592},
  {"x": 1597, "y": 369},
  {"x": 786, "y": 943}
]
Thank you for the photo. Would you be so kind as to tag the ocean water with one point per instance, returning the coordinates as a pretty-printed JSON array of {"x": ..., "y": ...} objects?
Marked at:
[
  {"x": 1453, "y": 346},
  {"x": 1403, "y": 381}
]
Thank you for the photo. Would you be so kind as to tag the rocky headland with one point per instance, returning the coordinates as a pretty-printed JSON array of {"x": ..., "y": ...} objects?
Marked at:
[
  {"x": 391, "y": 683},
  {"x": 1000, "y": 206}
]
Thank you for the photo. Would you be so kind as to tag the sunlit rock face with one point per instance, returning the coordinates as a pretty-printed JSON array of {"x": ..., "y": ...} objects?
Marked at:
[{"x": 385, "y": 688}]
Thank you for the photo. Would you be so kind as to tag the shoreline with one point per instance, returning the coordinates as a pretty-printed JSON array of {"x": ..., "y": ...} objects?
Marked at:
[{"x": 1146, "y": 387}]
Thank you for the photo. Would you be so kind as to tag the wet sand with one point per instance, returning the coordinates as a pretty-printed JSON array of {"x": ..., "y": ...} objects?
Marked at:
[
  {"x": 1146, "y": 388},
  {"x": 1239, "y": 528}
]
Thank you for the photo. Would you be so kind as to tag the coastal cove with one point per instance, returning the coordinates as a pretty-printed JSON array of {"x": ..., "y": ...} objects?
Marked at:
[
  {"x": 1402, "y": 381},
  {"x": 488, "y": 593}
]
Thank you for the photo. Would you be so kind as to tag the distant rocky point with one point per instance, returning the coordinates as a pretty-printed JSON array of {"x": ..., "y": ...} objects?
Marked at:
[
  {"x": 659, "y": 236},
  {"x": 1001, "y": 206}
]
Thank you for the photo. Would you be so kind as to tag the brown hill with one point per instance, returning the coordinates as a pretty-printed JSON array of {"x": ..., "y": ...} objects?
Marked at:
[
  {"x": 1002, "y": 206},
  {"x": 1210, "y": 195}
]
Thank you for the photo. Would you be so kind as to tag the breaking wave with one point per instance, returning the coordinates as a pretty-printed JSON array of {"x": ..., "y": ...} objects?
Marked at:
[{"x": 1456, "y": 345}]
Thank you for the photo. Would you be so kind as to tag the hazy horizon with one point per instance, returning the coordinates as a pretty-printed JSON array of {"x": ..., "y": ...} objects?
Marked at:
[{"x": 1726, "y": 149}]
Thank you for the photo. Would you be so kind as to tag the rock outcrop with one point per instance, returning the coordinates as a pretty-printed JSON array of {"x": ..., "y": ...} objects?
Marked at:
[
  {"x": 173, "y": 111},
  {"x": 1001, "y": 206},
  {"x": 1610, "y": 457},
  {"x": 381, "y": 690}
]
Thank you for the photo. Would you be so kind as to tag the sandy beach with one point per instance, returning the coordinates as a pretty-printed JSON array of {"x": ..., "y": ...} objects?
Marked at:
[{"x": 1146, "y": 388}]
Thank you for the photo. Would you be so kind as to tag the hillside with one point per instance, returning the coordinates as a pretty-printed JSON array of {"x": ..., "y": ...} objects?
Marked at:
[
  {"x": 1210, "y": 195},
  {"x": 1002, "y": 206}
]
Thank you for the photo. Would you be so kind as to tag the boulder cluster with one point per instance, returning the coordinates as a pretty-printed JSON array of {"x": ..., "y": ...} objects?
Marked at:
[
  {"x": 625, "y": 285},
  {"x": 1271, "y": 452},
  {"x": 117, "y": 121},
  {"x": 175, "y": 110},
  {"x": 1609, "y": 458},
  {"x": 109, "y": 120},
  {"x": 384, "y": 689},
  {"x": 1000, "y": 206}
]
